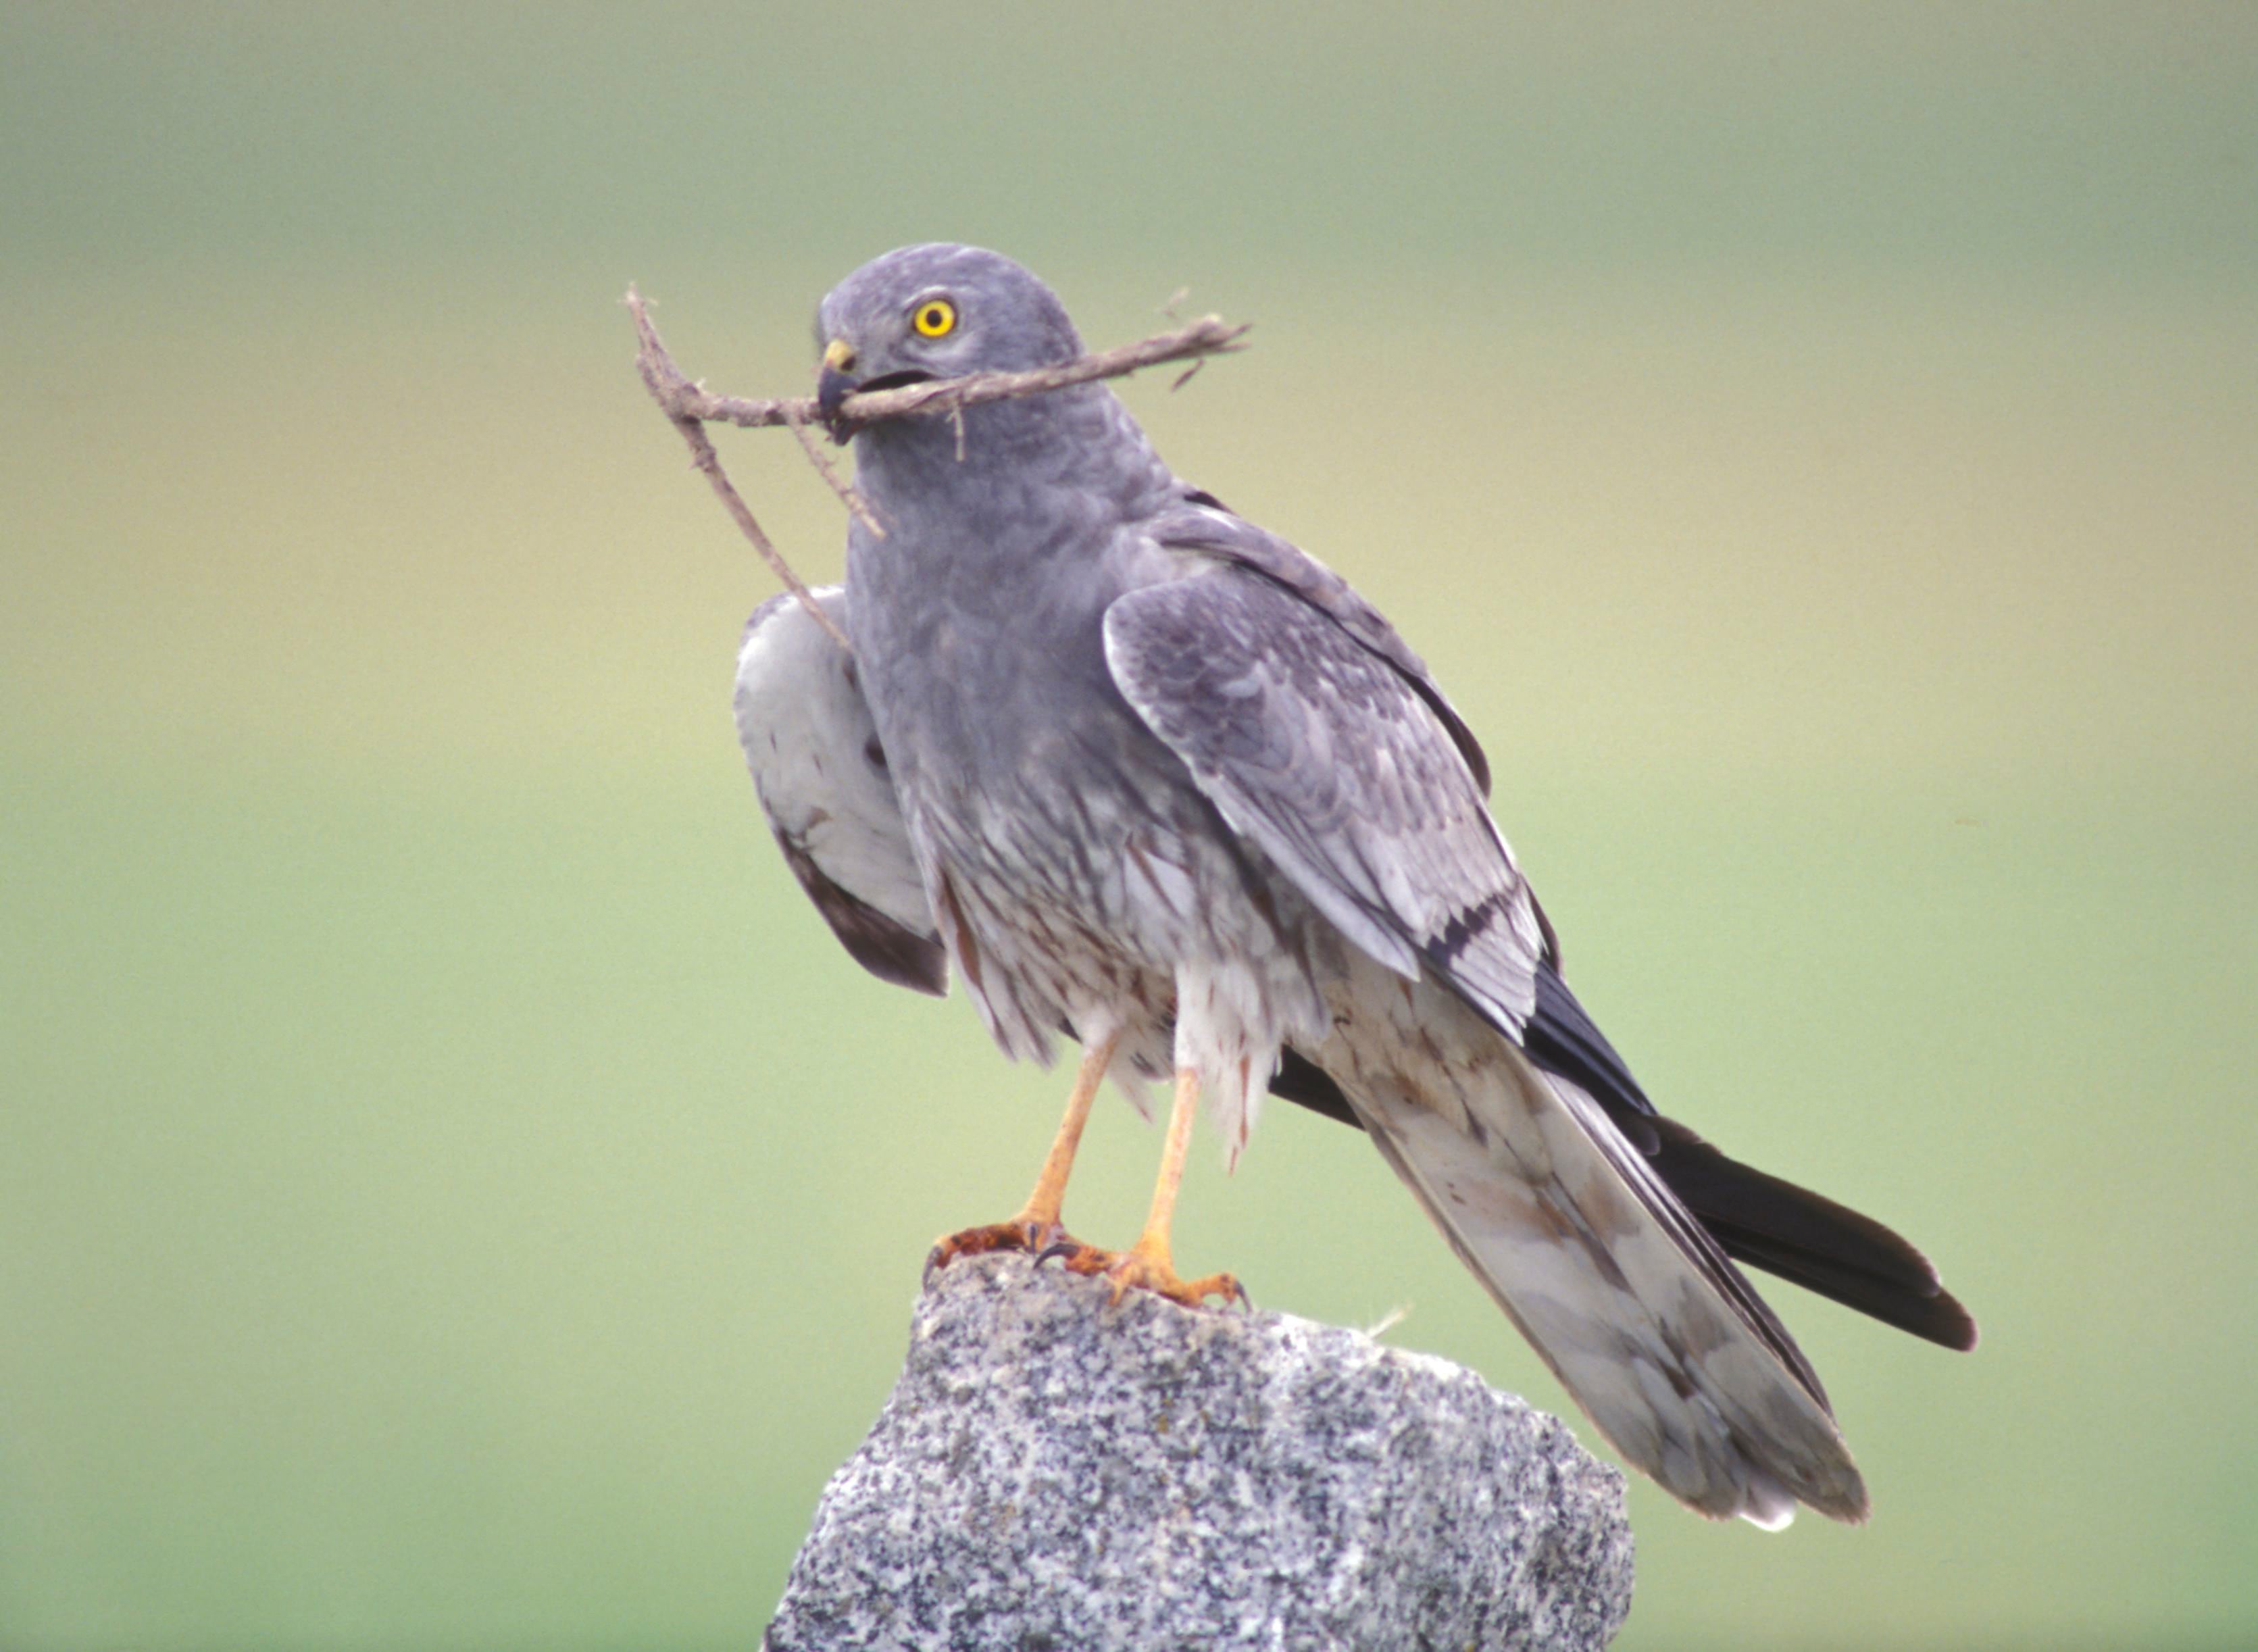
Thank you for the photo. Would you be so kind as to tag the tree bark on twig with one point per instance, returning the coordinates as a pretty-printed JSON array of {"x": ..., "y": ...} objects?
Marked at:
[{"x": 690, "y": 407}]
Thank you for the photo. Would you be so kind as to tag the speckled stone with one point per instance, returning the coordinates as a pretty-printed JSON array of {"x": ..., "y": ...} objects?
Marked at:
[{"x": 1053, "y": 1473}]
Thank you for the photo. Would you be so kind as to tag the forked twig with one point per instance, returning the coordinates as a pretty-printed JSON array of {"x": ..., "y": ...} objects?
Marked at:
[
  {"x": 689, "y": 407},
  {"x": 680, "y": 399},
  {"x": 660, "y": 374}
]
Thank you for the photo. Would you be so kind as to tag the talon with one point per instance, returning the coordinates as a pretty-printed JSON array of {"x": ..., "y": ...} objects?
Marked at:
[
  {"x": 1017, "y": 1234},
  {"x": 1162, "y": 1281},
  {"x": 1127, "y": 1271},
  {"x": 1088, "y": 1261},
  {"x": 1041, "y": 1239}
]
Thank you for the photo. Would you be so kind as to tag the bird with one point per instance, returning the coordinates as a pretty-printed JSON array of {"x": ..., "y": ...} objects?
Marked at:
[{"x": 1148, "y": 776}]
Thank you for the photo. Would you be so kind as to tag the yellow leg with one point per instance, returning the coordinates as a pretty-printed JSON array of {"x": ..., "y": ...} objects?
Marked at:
[
  {"x": 1152, "y": 1243},
  {"x": 1037, "y": 1224},
  {"x": 1049, "y": 1196},
  {"x": 1150, "y": 1265}
]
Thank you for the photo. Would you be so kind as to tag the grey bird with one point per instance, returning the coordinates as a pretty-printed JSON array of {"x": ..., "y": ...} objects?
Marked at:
[{"x": 1149, "y": 777}]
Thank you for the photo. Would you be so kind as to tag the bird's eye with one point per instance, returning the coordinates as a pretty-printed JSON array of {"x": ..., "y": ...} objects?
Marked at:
[{"x": 935, "y": 318}]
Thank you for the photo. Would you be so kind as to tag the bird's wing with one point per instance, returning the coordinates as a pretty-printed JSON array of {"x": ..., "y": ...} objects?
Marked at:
[
  {"x": 821, "y": 775},
  {"x": 1809, "y": 1238},
  {"x": 1323, "y": 754},
  {"x": 1757, "y": 1219},
  {"x": 1200, "y": 522},
  {"x": 1330, "y": 758}
]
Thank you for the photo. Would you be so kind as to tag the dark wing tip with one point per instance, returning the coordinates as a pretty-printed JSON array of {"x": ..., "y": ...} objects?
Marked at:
[
  {"x": 1810, "y": 1240},
  {"x": 889, "y": 950},
  {"x": 1932, "y": 1314},
  {"x": 899, "y": 956},
  {"x": 1302, "y": 1081},
  {"x": 1561, "y": 1039},
  {"x": 1800, "y": 1236},
  {"x": 1954, "y": 1327}
]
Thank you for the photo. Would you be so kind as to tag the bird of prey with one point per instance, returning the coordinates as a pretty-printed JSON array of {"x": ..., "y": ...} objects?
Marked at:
[{"x": 1148, "y": 776}]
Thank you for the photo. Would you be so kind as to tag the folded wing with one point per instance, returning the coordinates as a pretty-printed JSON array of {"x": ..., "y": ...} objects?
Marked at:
[
  {"x": 820, "y": 772},
  {"x": 1333, "y": 762},
  {"x": 1326, "y": 756}
]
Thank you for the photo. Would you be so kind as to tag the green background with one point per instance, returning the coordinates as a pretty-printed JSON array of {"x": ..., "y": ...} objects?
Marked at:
[{"x": 454, "y": 1194}]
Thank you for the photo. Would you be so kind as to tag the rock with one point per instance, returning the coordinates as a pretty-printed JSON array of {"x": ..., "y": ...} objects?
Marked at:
[{"x": 1053, "y": 1471}]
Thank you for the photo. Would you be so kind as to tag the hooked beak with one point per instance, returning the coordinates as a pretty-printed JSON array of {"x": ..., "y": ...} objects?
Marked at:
[{"x": 835, "y": 385}]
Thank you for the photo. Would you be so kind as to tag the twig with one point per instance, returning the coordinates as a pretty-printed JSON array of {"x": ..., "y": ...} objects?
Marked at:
[
  {"x": 690, "y": 407},
  {"x": 848, "y": 495},
  {"x": 679, "y": 398},
  {"x": 660, "y": 374}
]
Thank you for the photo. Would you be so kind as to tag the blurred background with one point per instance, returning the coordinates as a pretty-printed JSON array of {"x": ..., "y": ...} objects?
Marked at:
[{"x": 453, "y": 1191}]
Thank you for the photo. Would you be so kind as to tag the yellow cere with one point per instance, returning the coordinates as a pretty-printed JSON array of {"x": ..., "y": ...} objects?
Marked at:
[{"x": 935, "y": 318}]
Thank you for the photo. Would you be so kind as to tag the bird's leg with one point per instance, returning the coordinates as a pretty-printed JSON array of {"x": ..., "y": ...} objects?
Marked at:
[
  {"x": 1037, "y": 1224},
  {"x": 1148, "y": 1264}
]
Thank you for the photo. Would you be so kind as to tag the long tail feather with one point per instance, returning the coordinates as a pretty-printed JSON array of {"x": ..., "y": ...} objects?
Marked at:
[
  {"x": 1799, "y": 1235},
  {"x": 1612, "y": 1280}
]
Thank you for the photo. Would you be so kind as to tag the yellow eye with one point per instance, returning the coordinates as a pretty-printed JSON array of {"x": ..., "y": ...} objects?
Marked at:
[{"x": 935, "y": 318}]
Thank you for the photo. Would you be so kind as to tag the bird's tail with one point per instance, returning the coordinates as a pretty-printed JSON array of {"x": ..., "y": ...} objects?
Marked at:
[{"x": 1626, "y": 1296}]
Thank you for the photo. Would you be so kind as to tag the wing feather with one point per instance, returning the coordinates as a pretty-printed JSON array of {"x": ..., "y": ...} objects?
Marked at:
[
  {"x": 1201, "y": 523},
  {"x": 1328, "y": 758},
  {"x": 1324, "y": 753},
  {"x": 820, "y": 772}
]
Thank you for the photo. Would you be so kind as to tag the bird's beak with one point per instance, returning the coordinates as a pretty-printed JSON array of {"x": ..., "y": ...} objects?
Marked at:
[{"x": 835, "y": 385}]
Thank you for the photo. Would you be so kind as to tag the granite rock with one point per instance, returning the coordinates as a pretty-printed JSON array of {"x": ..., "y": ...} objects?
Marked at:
[{"x": 1055, "y": 1471}]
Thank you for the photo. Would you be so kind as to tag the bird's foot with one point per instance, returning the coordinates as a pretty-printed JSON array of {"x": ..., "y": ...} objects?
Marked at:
[
  {"x": 1143, "y": 1270},
  {"x": 1022, "y": 1232}
]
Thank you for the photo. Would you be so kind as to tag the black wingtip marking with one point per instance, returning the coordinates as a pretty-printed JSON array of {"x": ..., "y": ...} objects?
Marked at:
[
  {"x": 1809, "y": 1239},
  {"x": 1466, "y": 926},
  {"x": 1303, "y": 1081},
  {"x": 1760, "y": 1219},
  {"x": 1938, "y": 1318}
]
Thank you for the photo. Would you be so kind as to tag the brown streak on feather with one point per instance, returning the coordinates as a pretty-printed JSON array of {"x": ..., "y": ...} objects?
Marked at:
[{"x": 968, "y": 950}]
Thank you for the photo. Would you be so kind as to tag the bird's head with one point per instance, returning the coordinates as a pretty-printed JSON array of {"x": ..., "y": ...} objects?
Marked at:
[{"x": 935, "y": 311}]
